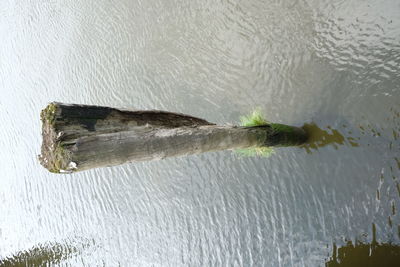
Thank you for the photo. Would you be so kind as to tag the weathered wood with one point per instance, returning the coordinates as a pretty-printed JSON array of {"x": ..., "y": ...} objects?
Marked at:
[{"x": 81, "y": 137}]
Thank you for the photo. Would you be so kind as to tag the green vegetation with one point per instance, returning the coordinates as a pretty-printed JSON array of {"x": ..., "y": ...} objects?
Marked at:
[
  {"x": 60, "y": 154},
  {"x": 281, "y": 127},
  {"x": 49, "y": 113},
  {"x": 254, "y": 119}
]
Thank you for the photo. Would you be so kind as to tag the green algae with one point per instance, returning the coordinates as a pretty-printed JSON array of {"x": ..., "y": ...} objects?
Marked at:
[
  {"x": 49, "y": 114},
  {"x": 254, "y": 119},
  {"x": 281, "y": 127}
]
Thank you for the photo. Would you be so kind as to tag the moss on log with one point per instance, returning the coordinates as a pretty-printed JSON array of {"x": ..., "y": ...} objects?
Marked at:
[{"x": 81, "y": 137}]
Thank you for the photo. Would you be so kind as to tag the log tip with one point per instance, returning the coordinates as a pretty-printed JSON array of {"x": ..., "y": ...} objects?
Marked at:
[
  {"x": 54, "y": 156},
  {"x": 48, "y": 114}
]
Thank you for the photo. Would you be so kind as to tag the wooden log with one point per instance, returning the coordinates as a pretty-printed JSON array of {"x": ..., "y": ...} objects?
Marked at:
[{"x": 81, "y": 137}]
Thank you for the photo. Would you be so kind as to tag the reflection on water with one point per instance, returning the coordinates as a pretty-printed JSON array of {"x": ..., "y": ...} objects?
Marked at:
[
  {"x": 44, "y": 255},
  {"x": 362, "y": 254},
  {"x": 321, "y": 138}
]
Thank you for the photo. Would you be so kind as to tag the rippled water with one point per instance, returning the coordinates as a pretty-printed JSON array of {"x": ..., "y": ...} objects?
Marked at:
[{"x": 334, "y": 65}]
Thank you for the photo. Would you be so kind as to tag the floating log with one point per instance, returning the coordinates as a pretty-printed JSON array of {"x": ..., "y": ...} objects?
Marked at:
[{"x": 82, "y": 137}]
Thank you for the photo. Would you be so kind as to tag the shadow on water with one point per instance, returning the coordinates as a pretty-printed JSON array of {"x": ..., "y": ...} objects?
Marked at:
[
  {"x": 320, "y": 138},
  {"x": 43, "y": 255}
]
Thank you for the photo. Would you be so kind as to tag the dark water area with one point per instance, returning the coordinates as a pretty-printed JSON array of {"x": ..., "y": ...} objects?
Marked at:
[
  {"x": 332, "y": 67},
  {"x": 46, "y": 254},
  {"x": 362, "y": 254}
]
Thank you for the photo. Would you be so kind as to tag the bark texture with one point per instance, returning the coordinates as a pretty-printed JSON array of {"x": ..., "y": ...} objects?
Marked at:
[{"x": 81, "y": 137}]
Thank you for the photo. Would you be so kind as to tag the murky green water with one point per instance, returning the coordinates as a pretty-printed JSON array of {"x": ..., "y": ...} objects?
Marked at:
[{"x": 332, "y": 65}]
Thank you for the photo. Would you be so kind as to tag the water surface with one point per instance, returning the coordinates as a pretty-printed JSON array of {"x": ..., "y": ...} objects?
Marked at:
[{"x": 334, "y": 65}]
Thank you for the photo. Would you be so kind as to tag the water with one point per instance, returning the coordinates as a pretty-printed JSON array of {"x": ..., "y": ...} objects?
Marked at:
[{"x": 334, "y": 65}]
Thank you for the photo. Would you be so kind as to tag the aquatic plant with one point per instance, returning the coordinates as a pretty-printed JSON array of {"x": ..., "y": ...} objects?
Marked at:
[{"x": 254, "y": 119}]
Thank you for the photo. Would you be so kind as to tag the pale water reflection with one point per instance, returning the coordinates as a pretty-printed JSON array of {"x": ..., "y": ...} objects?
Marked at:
[{"x": 323, "y": 63}]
